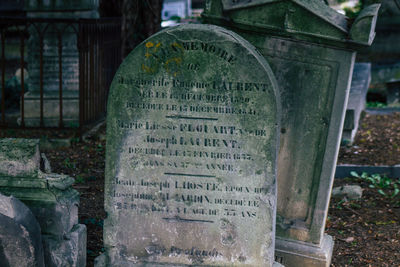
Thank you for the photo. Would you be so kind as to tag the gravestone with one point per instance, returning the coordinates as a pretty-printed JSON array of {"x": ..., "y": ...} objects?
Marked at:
[
  {"x": 357, "y": 98},
  {"x": 192, "y": 138},
  {"x": 50, "y": 34},
  {"x": 311, "y": 50}
]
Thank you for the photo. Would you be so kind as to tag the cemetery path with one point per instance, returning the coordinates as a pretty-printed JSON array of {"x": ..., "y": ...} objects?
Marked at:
[{"x": 366, "y": 231}]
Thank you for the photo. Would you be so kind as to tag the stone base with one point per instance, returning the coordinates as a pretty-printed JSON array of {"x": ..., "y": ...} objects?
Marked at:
[
  {"x": 102, "y": 261},
  {"x": 68, "y": 251},
  {"x": 295, "y": 253},
  {"x": 51, "y": 110}
]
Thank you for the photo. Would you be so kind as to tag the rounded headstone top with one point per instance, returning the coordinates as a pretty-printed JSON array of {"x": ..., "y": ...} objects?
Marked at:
[{"x": 183, "y": 41}]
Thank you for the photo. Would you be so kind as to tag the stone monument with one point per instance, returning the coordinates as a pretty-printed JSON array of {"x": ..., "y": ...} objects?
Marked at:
[
  {"x": 311, "y": 50},
  {"x": 192, "y": 141},
  {"x": 357, "y": 99},
  {"x": 49, "y": 196},
  {"x": 51, "y": 34}
]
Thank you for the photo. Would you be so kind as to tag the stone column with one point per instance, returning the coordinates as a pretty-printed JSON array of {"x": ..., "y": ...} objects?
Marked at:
[{"x": 44, "y": 74}]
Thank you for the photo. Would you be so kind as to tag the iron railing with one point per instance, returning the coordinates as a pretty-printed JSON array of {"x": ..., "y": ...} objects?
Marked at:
[{"x": 92, "y": 45}]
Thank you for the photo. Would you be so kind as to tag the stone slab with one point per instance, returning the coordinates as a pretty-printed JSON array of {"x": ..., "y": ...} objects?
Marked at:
[{"x": 192, "y": 140}]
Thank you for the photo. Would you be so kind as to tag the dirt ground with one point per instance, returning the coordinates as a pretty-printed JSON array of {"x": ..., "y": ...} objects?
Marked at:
[
  {"x": 377, "y": 142},
  {"x": 366, "y": 231}
]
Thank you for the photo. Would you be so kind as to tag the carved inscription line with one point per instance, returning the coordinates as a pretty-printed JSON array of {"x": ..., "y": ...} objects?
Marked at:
[
  {"x": 190, "y": 118},
  {"x": 220, "y": 86},
  {"x": 179, "y": 219},
  {"x": 189, "y": 175}
]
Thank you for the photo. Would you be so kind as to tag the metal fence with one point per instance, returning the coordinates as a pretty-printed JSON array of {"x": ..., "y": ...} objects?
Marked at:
[{"x": 59, "y": 54}]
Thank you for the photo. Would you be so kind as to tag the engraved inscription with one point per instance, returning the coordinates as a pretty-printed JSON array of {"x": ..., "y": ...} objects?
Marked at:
[{"x": 192, "y": 145}]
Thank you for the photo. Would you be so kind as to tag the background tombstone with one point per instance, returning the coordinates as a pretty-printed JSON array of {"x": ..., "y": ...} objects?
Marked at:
[
  {"x": 192, "y": 139},
  {"x": 310, "y": 48},
  {"x": 47, "y": 36},
  {"x": 357, "y": 99}
]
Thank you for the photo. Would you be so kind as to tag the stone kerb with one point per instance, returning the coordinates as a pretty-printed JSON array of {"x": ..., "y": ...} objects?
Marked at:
[{"x": 192, "y": 141}]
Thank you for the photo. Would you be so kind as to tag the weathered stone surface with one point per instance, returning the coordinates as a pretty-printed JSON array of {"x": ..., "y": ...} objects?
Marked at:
[
  {"x": 69, "y": 251},
  {"x": 192, "y": 136},
  {"x": 19, "y": 157},
  {"x": 357, "y": 98},
  {"x": 311, "y": 50},
  {"x": 20, "y": 237},
  {"x": 348, "y": 191}
]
